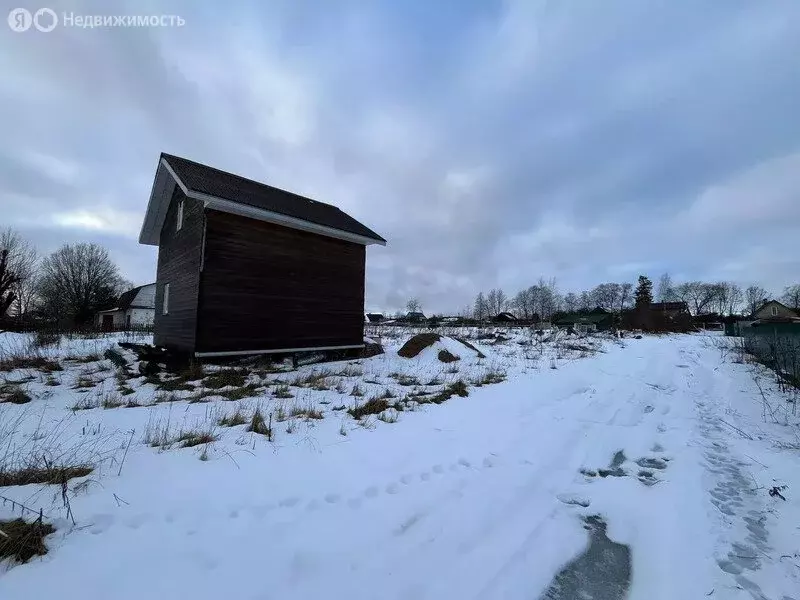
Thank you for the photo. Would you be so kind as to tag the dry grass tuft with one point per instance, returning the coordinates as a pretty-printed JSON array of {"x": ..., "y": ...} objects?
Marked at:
[
  {"x": 258, "y": 424},
  {"x": 240, "y": 393},
  {"x": 233, "y": 419},
  {"x": 226, "y": 378},
  {"x": 22, "y": 541},
  {"x": 373, "y": 406},
  {"x": 14, "y": 394},
  {"x": 403, "y": 379},
  {"x": 189, "y": 439},
  {"x": 308, "y": 412},
  {"x": 282, "y": 391},
  {"x": 46, "y": 474},
  {"x": 30, "y": 361}
]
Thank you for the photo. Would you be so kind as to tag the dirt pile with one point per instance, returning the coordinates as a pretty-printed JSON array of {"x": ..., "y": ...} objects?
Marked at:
[{"x": 417, "y": 344}]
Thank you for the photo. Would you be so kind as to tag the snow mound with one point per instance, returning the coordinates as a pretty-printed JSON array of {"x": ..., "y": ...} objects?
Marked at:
[{"x": 432, "y": 346}]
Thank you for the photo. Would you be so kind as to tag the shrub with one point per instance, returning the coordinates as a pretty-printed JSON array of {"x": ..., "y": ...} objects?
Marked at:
[{"x": 44, "y": 338}]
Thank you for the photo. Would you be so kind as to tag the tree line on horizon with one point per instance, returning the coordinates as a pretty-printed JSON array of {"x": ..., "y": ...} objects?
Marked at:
[{"x": 545, "y": 301}]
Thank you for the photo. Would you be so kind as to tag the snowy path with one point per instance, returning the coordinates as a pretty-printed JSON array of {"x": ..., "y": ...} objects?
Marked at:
[{"x": 482, "y": 497}]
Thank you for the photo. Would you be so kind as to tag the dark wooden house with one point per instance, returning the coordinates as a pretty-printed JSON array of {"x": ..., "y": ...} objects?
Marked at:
[{"x": 247, "y": 268}]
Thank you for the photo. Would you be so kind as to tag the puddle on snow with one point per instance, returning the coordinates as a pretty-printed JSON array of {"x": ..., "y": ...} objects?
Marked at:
[{"x": 602, "y": 572}]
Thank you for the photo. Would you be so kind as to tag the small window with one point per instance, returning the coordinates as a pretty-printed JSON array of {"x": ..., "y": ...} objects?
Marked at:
[
  {"x": 165, "y": 309},
  {"x": 774, "y": 311},
  {"x": 179, "y": 219}
]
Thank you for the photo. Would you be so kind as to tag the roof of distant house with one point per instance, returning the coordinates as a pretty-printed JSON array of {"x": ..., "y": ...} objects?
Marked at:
[
  {"x": 669, "y": 306},
  {"x": 126, "y": 299}
]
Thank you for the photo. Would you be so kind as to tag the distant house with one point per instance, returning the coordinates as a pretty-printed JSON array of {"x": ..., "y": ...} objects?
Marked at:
[
  {"x": 670, "y": 310},
  {"x": 375, "y": 317},
  {"x": 663, "y": 316},
  {"x": 505, "y": 317},
  {"x": 135, "y": 307},
  {"x": 247, "y": 268},
  {"x": 712, "y": 321},
  {"x": 598, "y": 319},
  {"x": 774, "y": 310},
  {"x": 414, "y": 317}
]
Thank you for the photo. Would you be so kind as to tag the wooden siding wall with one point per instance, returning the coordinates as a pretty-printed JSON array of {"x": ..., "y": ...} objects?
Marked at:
[
  {"x": 266, "y": 287},
  {"x": 179, "y": 255}
]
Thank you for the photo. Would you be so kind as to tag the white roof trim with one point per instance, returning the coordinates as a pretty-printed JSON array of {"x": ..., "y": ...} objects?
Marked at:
[
  {"x": 245, "y": 210},
  {"x": 161, "y": 195},
  {"x": 277, "y": 351}
]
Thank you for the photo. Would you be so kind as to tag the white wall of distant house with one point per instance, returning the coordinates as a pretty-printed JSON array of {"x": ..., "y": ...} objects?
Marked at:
[
  {"x": 138, "y": 316},
  {"x": 141, "y": 316}
]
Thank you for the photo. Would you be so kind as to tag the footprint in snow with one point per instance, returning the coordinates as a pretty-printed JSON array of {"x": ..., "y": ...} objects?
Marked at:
[
  {"x": 438, "y": 469},
  {"x": 488, "y": 462},
  {"x": 332, "y": 498},
  {"x": 371, "y": 491},
  {"x": 405, "y": 479},
  {"x": 391, "y": 488},
  {"x": 136, "y": 521},
  {"x": 101, "y": 523},
  {"x": 425, "y": 476},
  {"x": 464, "y": 462},
  {"x": 289, "y": 502},
  {"x": 574, "y": 500}
]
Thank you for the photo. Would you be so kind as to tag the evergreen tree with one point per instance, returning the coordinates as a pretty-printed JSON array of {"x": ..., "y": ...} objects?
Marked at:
[{"x": 644, "y": 292}]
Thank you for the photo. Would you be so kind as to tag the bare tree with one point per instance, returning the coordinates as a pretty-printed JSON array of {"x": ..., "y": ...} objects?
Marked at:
[
  {"x": 413, "y": 305},
  {"x": 585, "y": 302},
  {"x": 571, "y": 302},
  {"x": 755, "y": 296},
  {"x": 606, "y": 295},
  {"x": 496, "y": 301},
  {"x": 481, "y": 309},
  {"x": 728, "y": 297},
  {"x": 665, "y": 293},
  {"x": 502, "y": 300},
  {"x": 8, "y": 279},
  {"x": 625, "y": 295},
  {"x": 491, "y": 303},
  {"x": 77, "y": 280},
  {"x": 698, "y": 295},
  {"x": 791, "y": 296},
  {"x": 22, "y": 261},
  {"x": 546, "y": 298}
]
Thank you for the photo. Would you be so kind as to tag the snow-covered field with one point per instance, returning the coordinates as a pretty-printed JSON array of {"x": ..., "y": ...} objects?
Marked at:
[{"x": 574, "y": 468}]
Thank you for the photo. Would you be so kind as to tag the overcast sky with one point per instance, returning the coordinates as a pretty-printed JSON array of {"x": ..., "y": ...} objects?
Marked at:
[{"x": 490, "y": 143}]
